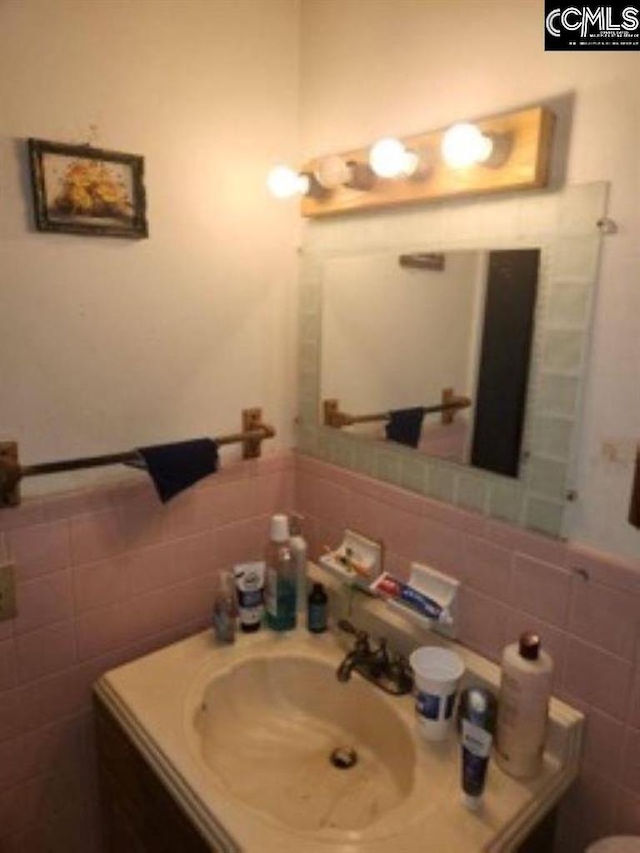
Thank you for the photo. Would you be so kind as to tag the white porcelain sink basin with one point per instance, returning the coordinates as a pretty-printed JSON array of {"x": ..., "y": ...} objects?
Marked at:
[{"x": 268, "y": 728}]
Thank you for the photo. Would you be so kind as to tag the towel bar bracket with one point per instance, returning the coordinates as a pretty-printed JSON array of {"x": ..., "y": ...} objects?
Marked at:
[{"x": 257, "y": 431}]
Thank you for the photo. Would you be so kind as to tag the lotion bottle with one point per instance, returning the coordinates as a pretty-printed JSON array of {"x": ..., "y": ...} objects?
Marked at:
[{"x": 523, "y": 707}]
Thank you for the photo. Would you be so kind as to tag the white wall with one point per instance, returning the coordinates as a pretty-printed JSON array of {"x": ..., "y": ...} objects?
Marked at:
[
  {"x": 405, "y": 66},
  {"x": 107, "y": 344}
]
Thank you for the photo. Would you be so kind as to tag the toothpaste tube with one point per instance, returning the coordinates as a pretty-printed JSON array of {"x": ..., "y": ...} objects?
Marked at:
[{"x": 393, "y": 588}]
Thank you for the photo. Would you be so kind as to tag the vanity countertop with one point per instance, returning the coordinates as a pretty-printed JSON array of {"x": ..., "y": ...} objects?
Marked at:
[{"x": 157, "y": 699}]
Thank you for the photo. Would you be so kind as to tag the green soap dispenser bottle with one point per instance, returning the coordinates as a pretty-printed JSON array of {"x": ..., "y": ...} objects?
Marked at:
[{"x": 280, "y": 593}]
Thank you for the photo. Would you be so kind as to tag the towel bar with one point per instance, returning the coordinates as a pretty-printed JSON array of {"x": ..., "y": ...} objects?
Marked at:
[
  {"x": 334, "y": 417},
  {"x": 254, "y": 432}
]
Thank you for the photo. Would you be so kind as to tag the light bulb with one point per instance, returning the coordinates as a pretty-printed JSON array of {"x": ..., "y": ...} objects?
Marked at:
[
  {"x": 332, "y": 172},
  {"x": 390, "y": 159},
  {"x": 464, "y": 144},
  {"x": 285, "y": 182}
]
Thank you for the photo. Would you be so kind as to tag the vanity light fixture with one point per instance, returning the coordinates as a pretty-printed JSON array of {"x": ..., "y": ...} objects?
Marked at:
[
  {"x": 504, "y": 152},
  {"x": 390, "y": 158}
]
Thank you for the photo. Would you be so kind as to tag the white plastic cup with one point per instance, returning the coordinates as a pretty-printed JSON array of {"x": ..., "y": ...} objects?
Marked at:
[{"x": 437, "y": 676}]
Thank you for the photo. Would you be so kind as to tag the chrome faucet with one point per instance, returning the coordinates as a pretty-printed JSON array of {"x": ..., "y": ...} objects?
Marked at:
[{"x": 390, "y": 672}]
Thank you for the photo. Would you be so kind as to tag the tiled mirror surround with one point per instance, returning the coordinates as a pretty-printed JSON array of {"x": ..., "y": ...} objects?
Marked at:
[{"x": 564, "y": 225}]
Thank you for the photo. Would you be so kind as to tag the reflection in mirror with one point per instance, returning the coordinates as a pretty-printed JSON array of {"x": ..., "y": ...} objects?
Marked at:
[{"x": 432, "y": 350}]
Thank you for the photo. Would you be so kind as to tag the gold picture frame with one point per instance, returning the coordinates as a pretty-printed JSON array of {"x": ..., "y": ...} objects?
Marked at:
[{"x": 78, "y": 189}]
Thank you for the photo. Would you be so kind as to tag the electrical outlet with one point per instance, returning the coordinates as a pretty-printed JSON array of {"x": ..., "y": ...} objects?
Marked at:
[{"x": 7, "y": 592}]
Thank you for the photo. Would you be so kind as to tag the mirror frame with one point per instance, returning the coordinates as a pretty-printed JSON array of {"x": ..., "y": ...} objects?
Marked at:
[{"x": 565, "y": 226}]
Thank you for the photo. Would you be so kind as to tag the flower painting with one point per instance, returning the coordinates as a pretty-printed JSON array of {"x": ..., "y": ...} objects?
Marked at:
[{"x": 85, "y": 190}]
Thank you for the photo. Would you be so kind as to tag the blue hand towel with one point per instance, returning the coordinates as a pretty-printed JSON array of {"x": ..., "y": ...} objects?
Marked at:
[
  {"x": 175, "y": 467},
  {"x": 405, "y": 425}
]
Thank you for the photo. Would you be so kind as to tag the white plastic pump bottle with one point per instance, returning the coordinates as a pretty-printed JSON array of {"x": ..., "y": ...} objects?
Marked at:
[{"x": 523, "y": 707}]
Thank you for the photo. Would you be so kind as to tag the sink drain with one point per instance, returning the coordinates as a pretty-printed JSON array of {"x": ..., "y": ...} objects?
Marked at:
[{"x": 344, "y": 757}]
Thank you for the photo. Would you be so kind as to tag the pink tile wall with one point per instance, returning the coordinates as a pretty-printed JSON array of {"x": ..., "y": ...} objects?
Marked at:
[
  {"x": 108, "y": 574},
  {"x": 104, "y": 576},
  {"x": 585, "y": 605}
]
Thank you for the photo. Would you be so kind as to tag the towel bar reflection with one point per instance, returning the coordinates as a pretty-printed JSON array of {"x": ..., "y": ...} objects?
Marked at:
[
  {"x": 333, "y": 416},
  {"x": 253, "y": 433}
]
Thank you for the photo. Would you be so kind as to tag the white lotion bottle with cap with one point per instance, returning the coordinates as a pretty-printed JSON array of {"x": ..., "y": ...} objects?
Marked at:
[{"x": 523, "y": 707}]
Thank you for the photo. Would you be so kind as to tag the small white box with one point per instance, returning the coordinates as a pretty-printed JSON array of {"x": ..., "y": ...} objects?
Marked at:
[{"x": 357, "y": 560}]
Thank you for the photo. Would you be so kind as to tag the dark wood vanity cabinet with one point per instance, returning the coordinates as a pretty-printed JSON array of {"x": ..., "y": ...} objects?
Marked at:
[
  {"x": 541, "y": 838},
  {"x": 140, "y": 816}
]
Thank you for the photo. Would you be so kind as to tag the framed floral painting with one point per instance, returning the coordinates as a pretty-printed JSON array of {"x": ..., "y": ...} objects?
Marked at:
[{"x": 79, "y": 189}]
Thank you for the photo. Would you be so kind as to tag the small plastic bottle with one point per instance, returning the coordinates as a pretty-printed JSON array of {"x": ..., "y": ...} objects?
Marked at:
[
  {"x": 523, "y": 707},
  {"x": 250, "y": 594},
  {"x": 280, "y": 592},
  {"x": 224, "y": 610},
  {"x": 317, "y": 609}
]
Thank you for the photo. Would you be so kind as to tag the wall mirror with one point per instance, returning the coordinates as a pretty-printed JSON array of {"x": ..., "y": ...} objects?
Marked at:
[
  {"x": 405, "y": 334},
  {"x": 397, "y": 307}
]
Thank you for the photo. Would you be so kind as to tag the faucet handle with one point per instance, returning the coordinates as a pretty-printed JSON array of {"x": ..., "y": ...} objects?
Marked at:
[
  {"x": 382, "y": 652},
  {"x": 404, "y": 668},
  {"x": 362, "y": 638},
  {"x": 346, "y": 626},
  {"x": 349, "y": 628}
]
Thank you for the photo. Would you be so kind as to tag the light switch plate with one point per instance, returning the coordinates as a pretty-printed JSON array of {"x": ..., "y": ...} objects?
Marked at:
[{"x": 7, "y": 592}]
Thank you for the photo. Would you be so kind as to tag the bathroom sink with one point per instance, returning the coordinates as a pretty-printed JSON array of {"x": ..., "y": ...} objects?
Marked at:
[
  {"x": 247, "y": 737},
  {"x": 286, "y": 738}
]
